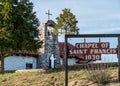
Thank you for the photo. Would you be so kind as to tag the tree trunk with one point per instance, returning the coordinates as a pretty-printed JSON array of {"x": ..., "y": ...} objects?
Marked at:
[
  {"x": 0, "y": 66},
  {"x": 2, "y": 63}
]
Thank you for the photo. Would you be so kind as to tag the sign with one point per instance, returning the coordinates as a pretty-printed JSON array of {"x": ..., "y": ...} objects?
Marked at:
[
  {"x": 93, "y": 57},
  {"x": 92, "y": 45},
  {"x": 91, "y": 50},
  {"x": 87, "y": 56}
]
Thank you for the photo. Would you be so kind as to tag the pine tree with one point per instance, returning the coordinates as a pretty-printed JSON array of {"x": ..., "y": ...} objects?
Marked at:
[
  {"x": 18, "y": 27},
  {"x": 67, "y": 23}
]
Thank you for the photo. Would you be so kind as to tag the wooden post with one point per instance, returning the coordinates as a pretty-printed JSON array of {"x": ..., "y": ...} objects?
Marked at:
[
  {"x": 119, "y": 59},
  {"x": 2, "y": 65},
  {"x": 89, "y": 36},
  {"x": 66, "y": 62}
]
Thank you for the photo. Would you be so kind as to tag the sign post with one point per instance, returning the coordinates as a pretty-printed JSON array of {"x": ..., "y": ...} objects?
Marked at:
[
  {"x": 66, "y": 62},
  {"x": 97, "y": 49},
  {"x": 119, "y": 59}
]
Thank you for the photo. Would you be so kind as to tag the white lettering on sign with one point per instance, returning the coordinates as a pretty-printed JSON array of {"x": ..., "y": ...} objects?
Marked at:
[
  {"x": 93, "y": 57},
  {"x": 93, "y": 51},
  {"x": 92, "y": 45},
  {"x": 104, "y": 45},
  {"x": 104, "y": 51},
  {"x": 77, "y": 51}
]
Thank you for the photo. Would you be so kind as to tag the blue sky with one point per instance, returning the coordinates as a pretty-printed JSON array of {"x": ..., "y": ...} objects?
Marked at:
[{"x": 94, "y": 16}]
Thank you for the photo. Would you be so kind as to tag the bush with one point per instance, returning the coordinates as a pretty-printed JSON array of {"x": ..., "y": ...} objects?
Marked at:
[{"x": 100, "y": 77}]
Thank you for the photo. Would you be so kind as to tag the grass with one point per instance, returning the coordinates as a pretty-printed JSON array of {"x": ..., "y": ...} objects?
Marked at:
[
  {"x": 48, "y": 78},
  {"x": 7, "y": 76},
  {"x": 100, "y": 77},
  {"x": 112, "y": 68},
  {"x": 82, "y": 78}
]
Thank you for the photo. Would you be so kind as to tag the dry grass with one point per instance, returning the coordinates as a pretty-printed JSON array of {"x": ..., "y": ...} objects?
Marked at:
[{"x": 52, "y": 78}]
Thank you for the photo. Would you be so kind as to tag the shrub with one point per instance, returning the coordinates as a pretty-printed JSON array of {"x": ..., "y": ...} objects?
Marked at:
[{"x": 100, "y": 77}]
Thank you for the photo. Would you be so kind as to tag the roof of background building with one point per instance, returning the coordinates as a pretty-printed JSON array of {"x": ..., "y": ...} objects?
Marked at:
[
  {"x": 27, "y": 53},
  {"x": 70, "y": 46}
]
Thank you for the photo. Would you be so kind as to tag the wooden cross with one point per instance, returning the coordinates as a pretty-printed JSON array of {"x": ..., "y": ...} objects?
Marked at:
[{"x": 48, "y": 14}]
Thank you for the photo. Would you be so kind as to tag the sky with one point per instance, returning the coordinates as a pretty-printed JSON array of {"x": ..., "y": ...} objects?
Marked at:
[{"x": 94, "y": 16}]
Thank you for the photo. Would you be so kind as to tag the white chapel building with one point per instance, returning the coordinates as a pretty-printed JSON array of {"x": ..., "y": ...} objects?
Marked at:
[
  {"x": 46, "y": 57},
  {"x": 49, "y": 56}
]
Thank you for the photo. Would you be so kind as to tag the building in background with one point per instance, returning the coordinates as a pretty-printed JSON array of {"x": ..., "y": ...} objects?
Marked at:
[
  {"x": 20, "y": 61},
  {"x": 49, "y": 53}
]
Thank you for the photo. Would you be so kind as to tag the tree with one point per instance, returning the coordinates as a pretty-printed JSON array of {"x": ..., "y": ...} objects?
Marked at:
[
  {"x": 67, "y": 23},
  {"x": 18, "y": 27}
]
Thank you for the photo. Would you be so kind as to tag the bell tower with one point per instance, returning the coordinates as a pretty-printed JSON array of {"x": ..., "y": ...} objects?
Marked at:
[{"x": 49, "y": 53}]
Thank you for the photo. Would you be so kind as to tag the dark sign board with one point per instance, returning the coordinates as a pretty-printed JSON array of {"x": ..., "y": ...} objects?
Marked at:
[
  {"x": 92, "y": 45},
  {"x": 91, "y": 50},
  {"x": 104, "y": 49}
]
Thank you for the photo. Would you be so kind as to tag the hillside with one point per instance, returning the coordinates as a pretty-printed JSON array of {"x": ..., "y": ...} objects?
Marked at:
[{"x": 53, "y": 78}]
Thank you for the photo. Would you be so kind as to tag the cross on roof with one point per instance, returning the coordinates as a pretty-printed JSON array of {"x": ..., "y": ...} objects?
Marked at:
[{"x": 48, "y": 14}]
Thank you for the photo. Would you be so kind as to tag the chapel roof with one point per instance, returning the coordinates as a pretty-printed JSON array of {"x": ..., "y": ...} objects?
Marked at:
[
  {"x": 27, "y": 53},
  {"x": 50, "y": 23}
]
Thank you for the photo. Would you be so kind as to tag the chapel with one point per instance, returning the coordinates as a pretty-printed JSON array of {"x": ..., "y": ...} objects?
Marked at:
[{"x": 49, "y": 53}]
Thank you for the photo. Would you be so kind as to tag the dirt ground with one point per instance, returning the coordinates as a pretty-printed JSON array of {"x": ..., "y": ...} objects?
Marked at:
[{"x": 40, "y": 77}]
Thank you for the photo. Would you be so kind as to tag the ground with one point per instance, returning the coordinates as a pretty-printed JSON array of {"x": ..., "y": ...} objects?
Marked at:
[{"x": 51, "y": 77}]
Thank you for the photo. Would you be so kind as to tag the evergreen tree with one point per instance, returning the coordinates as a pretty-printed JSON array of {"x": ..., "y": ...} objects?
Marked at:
[
  {"x": 18, "y": 27},
  {"x": 67, "y": 23}
]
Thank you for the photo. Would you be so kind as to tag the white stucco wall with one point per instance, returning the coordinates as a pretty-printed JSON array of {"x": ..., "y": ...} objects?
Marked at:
[
  {"x": 71, "y": 61},
  {"x": 18, "y": 62}
]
